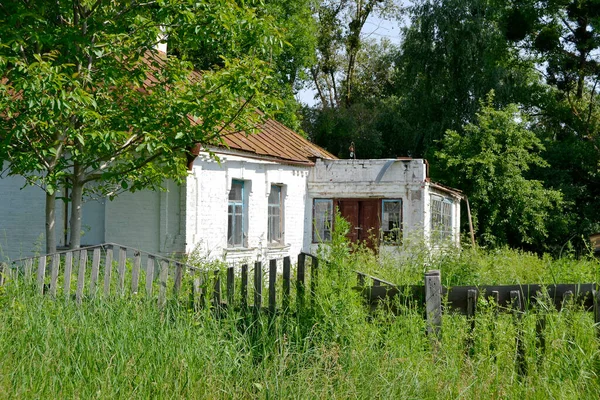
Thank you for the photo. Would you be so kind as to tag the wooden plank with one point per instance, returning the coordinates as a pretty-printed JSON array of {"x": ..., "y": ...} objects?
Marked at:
[
  {"x": 81, "y": 276},
  {"x": 517, "y": 307},
  {"x": 41, "y": 274},
  {"x": 257, "y": 286},
  {"x": 596, "y": 310},
  {"x": 121, "y": 270},
  {"x": 179, "y": 270},
  {"x": 286, "y": 283},
  {"x": 433, "y": 304},
  {"x": 163, "y": 277},
  {"x": 68, "y": 274},
  {"x": 272, "y": 288},
  {"x": 108, "y": 261},
  {"x": 471, "y": 308},
  {"x": 3, "y": 271},
  {"x": 314, "y": 278},
  {"x": 360, "y": 278},
  {"x": 149, "y": 275},
  {"x": 217, "y": 290},
  {"x": 95, "y": 271},
  {"x": 300, "y": 275},
  {"x": 244, "y": 287},
  {"x": 230, "y": 286},
  {"x": 28, "y": 269},
  {"x": 54, "y": 274},
  {"x": 198, "y": 293},
  {"x": 135, "y": 272}
]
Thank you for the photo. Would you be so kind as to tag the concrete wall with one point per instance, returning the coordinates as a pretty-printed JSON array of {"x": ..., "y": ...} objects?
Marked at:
[
  {"x": 387, "y": 179},
  {"x": 207, "y": 200}
]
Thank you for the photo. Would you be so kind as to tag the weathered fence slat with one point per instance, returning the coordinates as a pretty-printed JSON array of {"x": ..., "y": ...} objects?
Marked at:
[
  {"x": 596, "y": 294},
  {"x": 314, "y": 276},
  {"x": 135, "y": 272},
  {"x": 197, "y": 294},
  {"x": 286, "y": 283},
  {"x": 54, "y": 276},
  {"x": 28, "y": 267},
  {"x": 68, "y": 274},
  {"x": 272, "y": 287},
  {"x": 433, "y": 303},
  {"x": 149, "y": 275},
  {"x": 471, "y": 308},
  {"x": 179, "y": 270},
  {"x": 162, "y": 289},
  {"x": 81, "y": 276},
  {"x": 108, "y": 270},
  {"x": 230, "y": 287},
  {"x": 257, "y": 286},
  {"x": 3, "y": 270},
  {"x": 121, "y": 270},
  {"x": 41, "y": 274},
  {"x": 217, "y": 290},
  {"x": 95, "y": 271},
  {"x": 517, "y": 307},
  {"x": 244, "y": 287},
  {"x": 300, "y": 273}
]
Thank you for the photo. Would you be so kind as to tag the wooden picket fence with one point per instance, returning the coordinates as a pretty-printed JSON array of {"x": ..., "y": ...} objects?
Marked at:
[
  {"x": 117, "y": 270},
  {"x": 434, "y": 300}
]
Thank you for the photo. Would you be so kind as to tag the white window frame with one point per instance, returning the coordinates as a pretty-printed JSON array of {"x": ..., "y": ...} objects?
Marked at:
[
  {"x": 275, "y": 217},
  {"x": 322, "y": 225},
  {"x": 237, "y": 204},
  {"x": 393, "y": 236},
  {"x": 441, "y": 218}
]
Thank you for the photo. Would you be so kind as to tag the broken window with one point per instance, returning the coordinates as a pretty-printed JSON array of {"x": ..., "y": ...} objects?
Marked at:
[
  {"x": 275, "y": 220},
  {"x": 441, "y": 218},
  {"x": 322, "y": 220},
  {"x": 236, "y": 210},
  {"x": 391, "y": 221}
]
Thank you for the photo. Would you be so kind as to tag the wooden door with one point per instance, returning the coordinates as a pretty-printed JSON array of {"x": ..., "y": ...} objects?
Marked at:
[{"x": 363, "y": 216}]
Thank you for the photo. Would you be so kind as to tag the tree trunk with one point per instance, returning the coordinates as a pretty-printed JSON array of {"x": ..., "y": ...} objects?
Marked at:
[
  {"x": 50, "y": 223},
  {"x": 76, "y": 208}
]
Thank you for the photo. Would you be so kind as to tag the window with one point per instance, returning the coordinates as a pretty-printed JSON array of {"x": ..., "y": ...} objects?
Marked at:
[
  {"x": 275, "y": 222},
  {"x": 322, "y": 220},
  {"x": 441, "y": 218},
  {"x": 236, "y": 211},
  {"x": 391, "y": 221}
]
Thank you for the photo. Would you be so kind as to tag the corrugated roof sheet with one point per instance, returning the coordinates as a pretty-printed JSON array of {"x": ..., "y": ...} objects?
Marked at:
[{"x": 278, "y": 141}]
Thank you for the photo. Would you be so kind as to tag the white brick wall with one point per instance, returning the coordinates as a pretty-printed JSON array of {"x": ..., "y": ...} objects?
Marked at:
[{"x": 208, "y": 192}]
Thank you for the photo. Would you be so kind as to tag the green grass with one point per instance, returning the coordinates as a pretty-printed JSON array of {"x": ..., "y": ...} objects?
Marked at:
[{"x": 129, "y": 348}]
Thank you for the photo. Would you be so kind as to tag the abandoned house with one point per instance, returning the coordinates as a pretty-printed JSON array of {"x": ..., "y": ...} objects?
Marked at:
[{"x": 269, "y": 195}]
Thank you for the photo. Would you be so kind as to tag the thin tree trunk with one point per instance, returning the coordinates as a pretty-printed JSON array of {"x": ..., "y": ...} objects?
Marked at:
[
  {"x": 76, "y": 208},
  {"x": 50, "y": 223}
]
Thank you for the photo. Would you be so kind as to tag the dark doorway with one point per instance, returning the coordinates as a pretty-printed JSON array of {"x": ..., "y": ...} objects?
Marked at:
[{"x": 363, "y": 216}]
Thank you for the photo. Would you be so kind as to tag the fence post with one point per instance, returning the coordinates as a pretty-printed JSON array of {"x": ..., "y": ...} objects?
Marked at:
[
  {"x": 135, "y": 272},
  {"x": 272, "y": 280},
  {"x": 163, "y": 276},
  {"x": 68, "y": 273},
  {"x": 95, "y": 271},
  {"x": 517, "y": 306},
  {"x": 471, "y": 308},
  {"x": 244, "y": 287},
  {"x": 230, "y": 287},
  {"x": 3, "y": 268},
  {"x": 81, "y": 276},
  {"x": 108, "y": 269},
  {"x": 257, "y": 286},
  {"x": 300, "y": 281},
  {"x": 433, "y": 304},
  {"x": 121, "y": 270},
  {"x": 286, "y": 283},
  {"x": 314, "y": 276},
  {"x": 179, "y": 270},
  {"x": 54, "y": 274},
  {"x": 596, "y": 294},
  {"x": 217, "y": 292},
  {"x": 41, "y": 274}
]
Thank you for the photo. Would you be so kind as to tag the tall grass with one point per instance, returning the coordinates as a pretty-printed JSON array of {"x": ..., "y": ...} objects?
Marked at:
[{"x": 333, "y": 348}]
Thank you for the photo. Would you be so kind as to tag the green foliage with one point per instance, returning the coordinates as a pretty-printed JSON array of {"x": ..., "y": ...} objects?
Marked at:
[{"x": 490, "y": 161}]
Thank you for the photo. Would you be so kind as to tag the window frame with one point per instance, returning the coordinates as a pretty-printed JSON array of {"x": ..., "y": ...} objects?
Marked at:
[
  {"x": 278, "y": 241},
  {"x": 317, "y": 237},
  {"x": 444, "y": 219},
  {"x": 231, "y": 220},
  {"x": 396, "y": 241}
]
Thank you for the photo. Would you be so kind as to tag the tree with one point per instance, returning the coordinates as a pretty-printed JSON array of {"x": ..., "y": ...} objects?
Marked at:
[
  {"x": 490, "y": 160},
  {"x": 89, "y": 104}
]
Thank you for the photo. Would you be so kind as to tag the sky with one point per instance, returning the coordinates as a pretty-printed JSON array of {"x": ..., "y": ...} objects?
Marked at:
[{"x": 375, "y": 28}]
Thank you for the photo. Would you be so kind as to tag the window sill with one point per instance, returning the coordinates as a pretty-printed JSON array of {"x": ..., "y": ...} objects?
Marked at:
[{"x": 238, "y": 249}]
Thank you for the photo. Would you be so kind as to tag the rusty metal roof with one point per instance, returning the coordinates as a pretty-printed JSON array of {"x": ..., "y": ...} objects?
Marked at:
[{"x": 275, "y": 140}]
